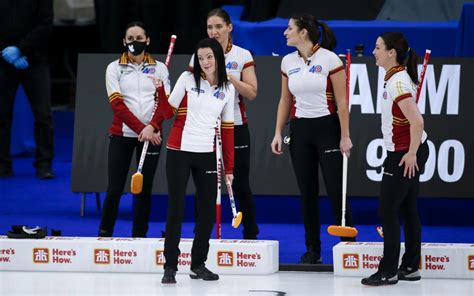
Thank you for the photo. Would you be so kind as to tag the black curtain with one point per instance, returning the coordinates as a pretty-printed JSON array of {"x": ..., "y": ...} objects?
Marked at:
[
  {"x": 186, "y": 19},
  {"x": 331, "y": 10}
]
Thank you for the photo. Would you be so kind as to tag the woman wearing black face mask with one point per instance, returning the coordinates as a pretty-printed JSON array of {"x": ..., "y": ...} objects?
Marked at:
[{"x": 134, "y": 82}]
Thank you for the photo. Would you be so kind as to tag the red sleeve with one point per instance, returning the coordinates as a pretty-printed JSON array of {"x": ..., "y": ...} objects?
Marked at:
[
  {"x": 161, "y": 110},
  {"x": 336, "y": 70},
  {"x": 165, "y": 110},
  {"x": 227, "y": 130},
  {"x": 121, "y": 110}
]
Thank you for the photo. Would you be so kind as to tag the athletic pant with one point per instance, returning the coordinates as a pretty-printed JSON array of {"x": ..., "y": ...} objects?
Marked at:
[
  {"x": 241, "y": 183},
  {"x": 398, "y": 195},
  {"x": 202, "y": 166},
  {"x": 316, "y": 141},
  {"x": 37, "y": 85},
  {"x": 120, "y": 155}
]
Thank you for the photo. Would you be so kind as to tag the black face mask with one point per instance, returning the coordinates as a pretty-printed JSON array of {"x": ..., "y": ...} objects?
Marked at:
[{"x": 136, "y": 47}]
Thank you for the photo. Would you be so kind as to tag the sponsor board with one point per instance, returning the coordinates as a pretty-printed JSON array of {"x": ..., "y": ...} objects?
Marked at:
[
  {"x": 438, "y": 260},
  {"x": 133, "y": 255}
]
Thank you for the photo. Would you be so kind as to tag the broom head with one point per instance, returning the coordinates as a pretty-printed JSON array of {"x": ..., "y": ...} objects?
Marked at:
[
  {"x": 137, "y": 183},
  {"x": 342, "y": 231},
  {"x": 236, "y": 220},
  {"x": 380, "y": 231}
]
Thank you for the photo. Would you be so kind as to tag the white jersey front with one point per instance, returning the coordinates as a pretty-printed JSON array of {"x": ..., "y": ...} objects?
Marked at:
[
  {"x": 197, "y": 113},
  {"x": 309, "y": 82},
  {"x": 132, "y": 93},
  {"x": 398, "y": 86},
  {"x": 236, "y": 60}
]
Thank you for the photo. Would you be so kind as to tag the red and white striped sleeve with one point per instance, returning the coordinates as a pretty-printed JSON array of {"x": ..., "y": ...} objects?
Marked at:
[{"x": 117, "y": 102}]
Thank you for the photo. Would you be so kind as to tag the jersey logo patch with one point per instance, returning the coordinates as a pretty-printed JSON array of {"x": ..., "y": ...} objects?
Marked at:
[
  {"x": 198, "y": 90},
  {"x": 316, "y": 69},
  {"x": 148, "y": 70},
  {"x": 293, "y": 71},
  {"x": 384, "y": 95},
  {"x": 219, "y": 95},
  {"x": 232, "y": 65}
]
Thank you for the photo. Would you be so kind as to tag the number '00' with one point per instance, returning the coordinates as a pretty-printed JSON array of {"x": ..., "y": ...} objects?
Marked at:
[{"x": 454, "y": 149}]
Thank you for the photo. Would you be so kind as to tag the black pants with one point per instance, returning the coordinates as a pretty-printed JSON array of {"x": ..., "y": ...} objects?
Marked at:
[
  {"x": 313, "y": 141},
  {"x": 37, "y": 85},
  {"x": 241, "y": 183},
  {"x": 120, "y": 155},
  {"x": 202, "y": 166},
  {"x": 398, "y": 195}
]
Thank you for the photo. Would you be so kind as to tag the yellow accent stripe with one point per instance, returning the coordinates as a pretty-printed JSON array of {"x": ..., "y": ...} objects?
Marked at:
[
  {"x": 148, "y": 59},
  {"x": 227, "y": 124},
  {"x": 114, "y": 95},
  {"x": 392, "y": 71}
]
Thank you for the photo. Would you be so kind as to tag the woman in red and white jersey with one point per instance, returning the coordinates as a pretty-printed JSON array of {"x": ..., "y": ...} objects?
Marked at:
[
  {"x": 240, "y": 68},
  {"x": 201, "y": 99},
  {"x": 134, "y": 81},
  {"x": 407, "y": 152},
  {"x": 313, "y": 78}
]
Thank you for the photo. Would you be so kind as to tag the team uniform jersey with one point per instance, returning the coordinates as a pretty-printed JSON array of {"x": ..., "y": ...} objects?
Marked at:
[
  {"x": 198, "y": 111},
  {"x": 236, "y": 60},
  {"x": 395, "y": 126},
  {"x": 309, "y": 82},
  {"x": 132, "y": 94}
]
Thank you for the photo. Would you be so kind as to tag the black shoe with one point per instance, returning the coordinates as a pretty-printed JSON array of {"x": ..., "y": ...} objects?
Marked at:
[
  {"x": 44, "y": 172},
  {"x": 169, "y": 277},
  {"x": 23, "y": 231},
  {"x": 6, "y": 171},
  {"x": 201, "y": 272},
  {"x": 104, "y": 233},
  {"x": 380, "y": 279},
  {"x": 408, "y": 274},
  {"x": 311, "y": 257}
]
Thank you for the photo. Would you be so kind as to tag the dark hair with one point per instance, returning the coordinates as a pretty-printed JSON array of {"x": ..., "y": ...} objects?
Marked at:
[
  {"x": 136, "y": 24},
  {"x": 220, "y": 13},
  {"x": 405, "y": 55},
  {"x": 311, "y": 24},
  {"x": 218, "y": 52}
]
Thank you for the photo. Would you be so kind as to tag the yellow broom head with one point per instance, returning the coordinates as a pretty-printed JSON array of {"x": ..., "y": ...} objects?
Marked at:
[
  {"x": 137, "y": 183},
  {"x": 380, "y": 231},
  {"x": 342, "y": 231},
  {"x": 237, "y": 219}
]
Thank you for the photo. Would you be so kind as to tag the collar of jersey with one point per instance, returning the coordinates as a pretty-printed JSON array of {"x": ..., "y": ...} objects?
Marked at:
[
  {"x": 392, "y": 71},
  {"x": 124, "y": 59},
  {"x": 313, "y": 50}
]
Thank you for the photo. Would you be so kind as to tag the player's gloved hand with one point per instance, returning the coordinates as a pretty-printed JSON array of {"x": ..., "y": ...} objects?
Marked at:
[{"x": 11, "y": 54}]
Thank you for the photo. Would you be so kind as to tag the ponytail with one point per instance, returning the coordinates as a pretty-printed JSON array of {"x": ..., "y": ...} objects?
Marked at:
[
  {"x": 328, "y": 39},
  {"x": 315, "y": 29},
  {"x": 412, "y": 65}
]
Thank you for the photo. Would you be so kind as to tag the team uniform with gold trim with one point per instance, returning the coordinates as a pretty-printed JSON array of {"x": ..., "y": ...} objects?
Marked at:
[
  {"x": 132, "y": 96},
  {"x": 237, "y": 59},
  {"x": 315, "y": 137},
  {"x": 191, "y": 150},
  {"x": 398, "y": 193}
]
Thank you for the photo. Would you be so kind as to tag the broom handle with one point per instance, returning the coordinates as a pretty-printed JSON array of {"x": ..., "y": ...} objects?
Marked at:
[
  {"x": 167, "y": 62},
  {"x": 142, "y": 156},
  {"x": 231, "y": 198},
  {"x": 344, "y": 189},
  {"x": 344, "y": 156},
  {"x": 426, "y": 59}
]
